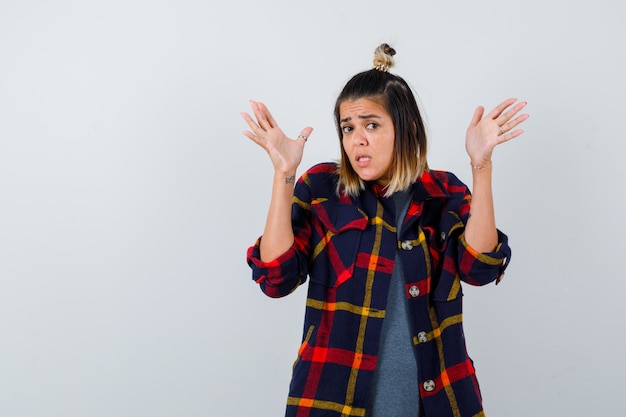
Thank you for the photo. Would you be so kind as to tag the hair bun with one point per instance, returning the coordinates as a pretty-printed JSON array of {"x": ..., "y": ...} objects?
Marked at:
[{"x": 383, "y": 57}]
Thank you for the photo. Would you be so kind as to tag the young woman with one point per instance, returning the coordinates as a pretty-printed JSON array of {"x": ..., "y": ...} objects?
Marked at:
[{"x": 385, "y": 243}]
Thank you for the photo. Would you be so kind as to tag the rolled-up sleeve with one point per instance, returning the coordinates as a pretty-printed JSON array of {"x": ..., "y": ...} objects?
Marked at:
[
  {"x": 280, "y": 276},
  {"x": 480, "y": 268}
]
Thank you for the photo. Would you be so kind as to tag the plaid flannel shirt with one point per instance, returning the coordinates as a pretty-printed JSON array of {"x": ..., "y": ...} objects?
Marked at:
[{"x": 347, "y": 246}]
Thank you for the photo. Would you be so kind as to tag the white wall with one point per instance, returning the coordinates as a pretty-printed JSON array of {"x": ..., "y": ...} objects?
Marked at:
[{"x": 128, "y": 195}]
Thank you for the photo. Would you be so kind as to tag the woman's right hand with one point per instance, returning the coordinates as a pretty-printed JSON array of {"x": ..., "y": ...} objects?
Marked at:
[{"x": 285, "y": 153}]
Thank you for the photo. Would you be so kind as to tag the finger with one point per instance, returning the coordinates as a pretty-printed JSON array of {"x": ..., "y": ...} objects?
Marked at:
[
  {"x": 507, "y": 115},
  {"x": 513, "y": 123},
  {"x": 266, "y": 120},
  {"x": 305, "y": 133},
  {"x": 251, "y": 136},
  {"x": 478, "y": 115},
  {"x": 254, "y": 138},
  {"x": 510, "y": 135},
  {"x": 497, "y": 111},
  {"x": 260, "y": 115},
  {"x": 268, "y": 115},
  {"x": 251, "y": 123}
]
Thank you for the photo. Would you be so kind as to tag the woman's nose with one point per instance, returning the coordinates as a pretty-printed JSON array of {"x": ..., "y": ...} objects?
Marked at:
[{"x": 360, "y": 139}]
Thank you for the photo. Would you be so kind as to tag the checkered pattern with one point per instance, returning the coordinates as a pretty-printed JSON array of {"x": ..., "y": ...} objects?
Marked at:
[{"x": 347, "y": 246}]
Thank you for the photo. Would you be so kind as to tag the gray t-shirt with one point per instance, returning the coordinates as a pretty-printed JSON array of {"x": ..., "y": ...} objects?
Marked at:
[{"x": 395, "y": 392}]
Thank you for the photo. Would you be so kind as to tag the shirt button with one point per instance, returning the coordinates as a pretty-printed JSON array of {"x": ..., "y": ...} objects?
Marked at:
[
  {"x": 443, "y": 236},
  {"x": 429, "y": 385},
  {"x": 422, "y": 337},
  {"x": 414, "y": 291},
  {"x": 407, "y": 245}
]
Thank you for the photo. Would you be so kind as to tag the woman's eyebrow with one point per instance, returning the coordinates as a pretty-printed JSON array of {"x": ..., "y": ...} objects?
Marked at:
[{"x": 361, "y": 116}]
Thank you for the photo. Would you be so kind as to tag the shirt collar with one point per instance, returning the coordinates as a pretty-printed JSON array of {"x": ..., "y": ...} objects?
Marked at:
[{"x": 426, "y": 187}]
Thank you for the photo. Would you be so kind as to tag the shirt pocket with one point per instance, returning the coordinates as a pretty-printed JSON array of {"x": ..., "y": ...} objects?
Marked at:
[
  {"x": 339, "y": 229},
  {"x": 447, "y": 282}
]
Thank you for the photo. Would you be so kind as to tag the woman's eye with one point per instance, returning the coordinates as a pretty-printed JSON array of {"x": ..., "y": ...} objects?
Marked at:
[
  {"x": 346, "y": 129},
  {"x": 372, "y": 125}
]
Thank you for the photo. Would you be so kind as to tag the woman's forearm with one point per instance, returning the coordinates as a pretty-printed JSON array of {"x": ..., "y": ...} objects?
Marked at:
[
  {"x": 278, "y": 234},
  {"x": 480, "y": 232}
]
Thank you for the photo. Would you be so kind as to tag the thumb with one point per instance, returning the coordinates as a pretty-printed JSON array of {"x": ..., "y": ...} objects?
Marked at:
[
  {"x": 478, "y": 114},
  {"x": 305, "y": 133}
]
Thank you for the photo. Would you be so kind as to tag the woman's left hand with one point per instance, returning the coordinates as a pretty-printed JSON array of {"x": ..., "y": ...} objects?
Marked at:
[{"x": 485, "y": 133}]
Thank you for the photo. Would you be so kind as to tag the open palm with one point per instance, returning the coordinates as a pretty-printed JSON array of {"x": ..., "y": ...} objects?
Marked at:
[{"x": 284, "y": 152}]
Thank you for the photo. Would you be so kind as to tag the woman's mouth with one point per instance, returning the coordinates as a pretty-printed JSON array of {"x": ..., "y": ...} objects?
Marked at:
[{"x": 363, "y": 160}]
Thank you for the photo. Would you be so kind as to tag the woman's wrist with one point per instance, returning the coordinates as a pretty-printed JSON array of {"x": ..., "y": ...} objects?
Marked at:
[
  {"x": 285, "y": 177},
  {"x": 482, "y": 165}
]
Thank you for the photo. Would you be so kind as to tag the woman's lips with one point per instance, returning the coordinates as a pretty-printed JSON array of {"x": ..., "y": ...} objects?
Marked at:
[{"x": 363, "y": 160}]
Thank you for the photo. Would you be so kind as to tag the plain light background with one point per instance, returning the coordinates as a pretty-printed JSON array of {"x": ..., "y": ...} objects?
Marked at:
[{"x": 128, "y": 195}]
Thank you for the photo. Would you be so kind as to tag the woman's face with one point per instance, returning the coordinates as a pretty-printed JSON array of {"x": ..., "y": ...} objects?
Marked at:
[{"x": 368, "y": 138}]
